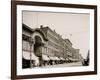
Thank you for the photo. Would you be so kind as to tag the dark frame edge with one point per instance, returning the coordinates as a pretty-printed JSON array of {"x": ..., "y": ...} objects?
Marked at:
[
  {"x": 51, "y": 4},
  {"x": 13, "y": 40},
  {"x": 95, "y": 39},
  {"x": 56, "y": 75}
]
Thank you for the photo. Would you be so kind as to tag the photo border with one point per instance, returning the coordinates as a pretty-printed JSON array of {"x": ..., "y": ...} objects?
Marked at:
[{"x": 14, "y": 39}]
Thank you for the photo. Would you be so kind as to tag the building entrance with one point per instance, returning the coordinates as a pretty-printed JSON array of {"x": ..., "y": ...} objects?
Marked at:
[{"x": 38, "y": 49}]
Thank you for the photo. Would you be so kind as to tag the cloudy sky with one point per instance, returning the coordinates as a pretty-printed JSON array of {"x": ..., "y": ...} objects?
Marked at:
[{"x": 69, "y": 25}]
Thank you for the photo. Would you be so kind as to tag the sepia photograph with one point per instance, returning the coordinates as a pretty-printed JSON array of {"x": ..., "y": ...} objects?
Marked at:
[{"x": 51, "y": 39}]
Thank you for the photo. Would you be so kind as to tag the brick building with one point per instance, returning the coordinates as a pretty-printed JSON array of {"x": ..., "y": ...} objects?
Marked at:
[{"x": 45, "y": 44}]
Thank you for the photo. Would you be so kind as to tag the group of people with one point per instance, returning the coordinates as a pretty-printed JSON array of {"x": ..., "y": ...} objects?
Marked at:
[
  {"x": 54, "y": 62},
  {"x": 42, "y": 62}
]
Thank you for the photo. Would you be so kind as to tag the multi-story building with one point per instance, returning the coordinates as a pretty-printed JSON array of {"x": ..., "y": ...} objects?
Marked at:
[{"x": 44, "y": 41}]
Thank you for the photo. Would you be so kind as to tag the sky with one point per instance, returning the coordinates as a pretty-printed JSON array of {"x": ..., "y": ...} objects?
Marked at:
[{"x": 73, "y": 26}]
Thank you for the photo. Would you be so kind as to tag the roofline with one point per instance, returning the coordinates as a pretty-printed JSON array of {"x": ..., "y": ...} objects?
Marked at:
[
  {"x": 25, "y": 27},
  {"x": 53, "y": 32},
  {"x": 40, "y": 31},
  {"x": 69, "y": 41}
]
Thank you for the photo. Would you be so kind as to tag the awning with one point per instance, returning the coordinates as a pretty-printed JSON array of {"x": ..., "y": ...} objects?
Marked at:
[
  {"x": 57, "y": 58},
  {"x": 66, "y": 59},
  {"x": 73, "y": 59},
  {"x": 62, "y": 58},
  {"x": 26, "y": 55},
  {"x": 52, "y": 58},
  {"x": 45, "y": 57},
  {"x": 70, "y": 58}
]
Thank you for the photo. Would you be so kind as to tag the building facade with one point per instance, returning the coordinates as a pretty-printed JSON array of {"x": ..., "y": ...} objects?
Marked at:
[{"x": 44, "y": 41}]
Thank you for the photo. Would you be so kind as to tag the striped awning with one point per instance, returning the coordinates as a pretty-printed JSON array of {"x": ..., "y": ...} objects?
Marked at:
[
  {"x": 26, "y": 55},
  {"x": 57, "y": 58},
  {"x": 45, "y": 57},
  {"x": 73, "y": 59},
  {"x": 52, "y": 58},
  {"x": 70, "y": 58},
  {"x": 62, "y": 58},
  {"x": 66, "y": 59}
]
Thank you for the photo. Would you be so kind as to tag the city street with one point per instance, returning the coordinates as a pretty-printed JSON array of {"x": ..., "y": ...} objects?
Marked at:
[{"x": 65, "y": 65}]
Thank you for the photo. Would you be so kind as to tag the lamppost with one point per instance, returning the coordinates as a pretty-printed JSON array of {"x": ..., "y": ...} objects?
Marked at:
[{"x": 31, "y": 42}]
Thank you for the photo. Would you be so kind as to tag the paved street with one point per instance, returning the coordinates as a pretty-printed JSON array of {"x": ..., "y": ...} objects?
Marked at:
[{"x": 65, "y": 65}]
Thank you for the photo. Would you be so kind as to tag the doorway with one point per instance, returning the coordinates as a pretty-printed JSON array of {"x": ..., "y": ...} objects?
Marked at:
[{"x": 38, "y": 49}]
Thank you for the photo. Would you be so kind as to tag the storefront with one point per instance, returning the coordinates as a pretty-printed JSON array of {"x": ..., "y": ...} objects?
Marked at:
[{"x": 33, "y": 43}]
